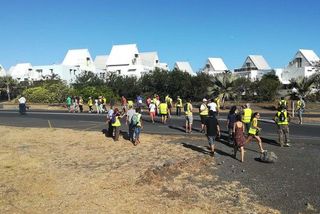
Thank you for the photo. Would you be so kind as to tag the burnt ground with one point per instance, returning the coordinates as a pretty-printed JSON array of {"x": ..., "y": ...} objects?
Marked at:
[{"x": 290, "y": 185}]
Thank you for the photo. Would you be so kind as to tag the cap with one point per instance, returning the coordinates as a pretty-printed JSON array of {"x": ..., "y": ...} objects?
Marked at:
[{"x": 204, "y": 100}]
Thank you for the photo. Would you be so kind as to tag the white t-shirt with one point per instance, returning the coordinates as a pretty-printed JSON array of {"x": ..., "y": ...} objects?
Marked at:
[
  {"x": 22, "y": 100},
  {"x": 212, "y": 106},
  {"x": 152, "y": 107}
]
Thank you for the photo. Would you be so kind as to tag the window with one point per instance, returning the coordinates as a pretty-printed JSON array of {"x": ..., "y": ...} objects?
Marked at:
[
  {"x": 132, "y": 70},
  {"x": 299, "y": 62},
  {"x": 157, "y": 61},
  {"x": 102, "y": 75},
  {"x": 119, "y": 72},
  {"x": 248, "y": 65},
  {"x": 136, "y": 55}
]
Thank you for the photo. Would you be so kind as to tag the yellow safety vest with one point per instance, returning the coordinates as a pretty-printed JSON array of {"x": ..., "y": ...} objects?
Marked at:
[
  {"x": 130, "y": 103},
  {"x": 163, "y": 108},
  {"x": 253, "y": 130},
  {"x": 188, "y": 112},
  {"x": 247, "y": 113},
  {"x": 285, "y": 122},
  {"x": 179, "y": 102},
  {"x": 117, "y": 123},
  {"x": 205, "y": 111},
  {"x": 90, "y": 102}
]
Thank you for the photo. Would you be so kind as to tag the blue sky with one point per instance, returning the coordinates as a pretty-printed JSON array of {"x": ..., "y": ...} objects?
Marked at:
[{"x": 41, "y": 31}]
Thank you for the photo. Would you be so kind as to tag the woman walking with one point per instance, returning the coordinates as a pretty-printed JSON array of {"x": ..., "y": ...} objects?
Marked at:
[
  {"x": 239, "y": 138},
  {"x": 254, "y": 131}
]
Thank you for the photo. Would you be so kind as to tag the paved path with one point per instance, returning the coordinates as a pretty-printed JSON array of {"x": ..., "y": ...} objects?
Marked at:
[{"x": 175, "y": 125}]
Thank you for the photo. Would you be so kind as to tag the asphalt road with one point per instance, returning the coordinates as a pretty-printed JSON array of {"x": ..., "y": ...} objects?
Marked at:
[
  {"x": 175, "y": 125},
  {"x": 288, "y": 185}
]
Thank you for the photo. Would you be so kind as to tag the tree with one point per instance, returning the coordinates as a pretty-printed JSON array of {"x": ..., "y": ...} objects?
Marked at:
[
  {"x": 243, "y": 88},
  {"x": 303, "y": 85},
  {"x": 222, "y": 86},
  {"x": 7, "y": 83},
  {"x": 268, "y": 87}
]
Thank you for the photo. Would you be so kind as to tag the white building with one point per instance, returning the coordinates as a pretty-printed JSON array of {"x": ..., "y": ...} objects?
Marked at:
[
  {"x": 79, "y": 58},
  {"x": 253, "y": 68},
  {"x": 2, "y": 71},
  {"x": 100, "y": 63},
  {"x": 150, "y": 60},
  {"x": 215, "y": 66},
  {"x": 184, "y": 66},
  {"x": 21, "y": 72},
  {"x": 302, "y": 65},
  {"x": 127, "y": 61}
]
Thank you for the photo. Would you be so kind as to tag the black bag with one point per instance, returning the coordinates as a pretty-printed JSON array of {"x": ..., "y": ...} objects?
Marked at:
[
  {"x": 185, "y": 107},
  {"x": 282, "y": 117}
]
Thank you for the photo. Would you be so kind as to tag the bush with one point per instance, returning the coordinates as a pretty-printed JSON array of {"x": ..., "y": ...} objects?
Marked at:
[
  {"x": 37, "y": 95},
  {"x": 94, "y": 92}
]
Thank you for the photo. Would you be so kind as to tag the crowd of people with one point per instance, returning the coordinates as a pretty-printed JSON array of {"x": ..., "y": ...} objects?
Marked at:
[{"x": 242, "y": 123}]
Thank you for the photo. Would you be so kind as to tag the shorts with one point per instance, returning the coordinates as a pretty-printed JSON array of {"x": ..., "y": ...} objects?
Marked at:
[
  {"x": 164, "y": 115},
  {"x": 152, "y": 114},
  {"x": 211, "y": 140},
  {"x": 189, "y": 119},
  {"x": 137, "y": 131},
  {"x": 203, "y": 118}
]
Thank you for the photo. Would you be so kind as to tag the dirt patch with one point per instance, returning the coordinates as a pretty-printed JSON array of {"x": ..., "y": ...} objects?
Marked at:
[{"x": 66, "y": 171}]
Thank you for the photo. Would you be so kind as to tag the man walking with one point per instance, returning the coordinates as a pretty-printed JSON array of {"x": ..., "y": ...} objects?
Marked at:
[
  {"x": 178, "y": 106},
  {"x": 130, "y": 113},
  {"x": 213, "y": 130},
  {"x": 203, "y": 114},
  {"x": 300, "y": 108},
  {"x": 282, "y": 120},
  {"x": 189, "y": 117},
  {"x": 246, "y": 116}
]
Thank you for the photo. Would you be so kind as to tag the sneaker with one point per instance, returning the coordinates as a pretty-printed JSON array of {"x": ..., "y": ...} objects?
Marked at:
[{"x": 287, "y": 145}]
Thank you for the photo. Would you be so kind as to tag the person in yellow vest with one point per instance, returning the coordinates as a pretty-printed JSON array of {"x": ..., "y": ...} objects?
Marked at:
[
  {"x": 246, "y": 116},
  {"x": 282, "y": 119},
  {"x": 163, "y": 109},
  {"x": 104, "y": 104},
  {"x": 168, "y": 100},
  {"x": 116, "y": 123},
  {"x": 217, "y": 101},
  {"x": 90, "y": 104},
  {"x": 178, "y": 106},
  {"x": 81, "y": 104},
  {"x": 189, "y": 116},
  {"x": 254, "y": 131},
  {"x": 203, "y": 114},
  {"x": 300, "y": 108},
  {"x": 282, "y": 104},
  {"x": 130, "y": 103}
]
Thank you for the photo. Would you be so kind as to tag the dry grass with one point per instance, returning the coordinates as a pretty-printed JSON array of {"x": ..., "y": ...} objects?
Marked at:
[{"x": 65, "y": 171}]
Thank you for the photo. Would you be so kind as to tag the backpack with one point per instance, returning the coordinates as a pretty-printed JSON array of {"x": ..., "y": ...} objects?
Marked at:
[
  {"x": 282, "y": 117},
  {"x": 283, "y": 104},
  {"x": 113, "y": 118},
  {"x": 185, "y": 107},
  {"x": 135, "y": 120},
  {"x": 268, "y": 157}
]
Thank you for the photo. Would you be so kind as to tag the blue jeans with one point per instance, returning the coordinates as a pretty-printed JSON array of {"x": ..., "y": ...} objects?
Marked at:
[
  {"x": 137, "y": 131},
  {"x": 131, "y": 131}
]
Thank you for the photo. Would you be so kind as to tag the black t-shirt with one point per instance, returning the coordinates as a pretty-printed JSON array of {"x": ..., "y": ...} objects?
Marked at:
[{"x": 211, "y": 123}]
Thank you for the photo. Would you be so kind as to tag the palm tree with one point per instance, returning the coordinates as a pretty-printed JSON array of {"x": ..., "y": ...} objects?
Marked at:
[
  {"x": 303, "y": 85},
  {"x": 222, "y": 86},
  {"x": 7, "y": 83}
]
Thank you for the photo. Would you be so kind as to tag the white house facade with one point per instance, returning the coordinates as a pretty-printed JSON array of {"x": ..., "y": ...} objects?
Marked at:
[
  {"x": 126, "y": 60},
  {"x": 185, "y": 67},
  {"x": 302, "y": 65},
  {"x": 253, "y": 68},
  {"x": 215, "y": 66}
]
